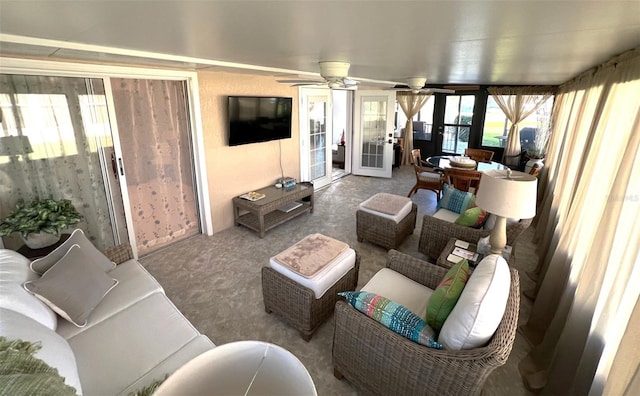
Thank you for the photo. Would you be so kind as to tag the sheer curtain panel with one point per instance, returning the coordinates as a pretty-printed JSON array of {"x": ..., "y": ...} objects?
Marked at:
[
  {"x": 410, "y": 103},
  {"x": 584, "y": 322},
  {"x": 517, "y": 104}
]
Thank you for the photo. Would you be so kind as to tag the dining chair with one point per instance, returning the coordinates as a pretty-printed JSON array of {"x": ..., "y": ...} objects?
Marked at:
[
  {"x": 427, "y": 178},
  {"x": 479, "y": 154},
  {"x": 463, "y": 179}
]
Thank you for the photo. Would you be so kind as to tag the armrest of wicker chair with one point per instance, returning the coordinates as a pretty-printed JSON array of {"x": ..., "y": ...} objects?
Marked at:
[
  {"x": 381, "y": 362},
  {"x": 436, "y": 233},
  {"x": 120, "y": 253},
  {"x": 425, "y": 273}
]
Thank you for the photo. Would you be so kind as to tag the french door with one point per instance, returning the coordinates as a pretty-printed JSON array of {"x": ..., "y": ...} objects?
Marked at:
[
  {"x": 373, "y": 133},
  {"x": 316, "y": 128}
]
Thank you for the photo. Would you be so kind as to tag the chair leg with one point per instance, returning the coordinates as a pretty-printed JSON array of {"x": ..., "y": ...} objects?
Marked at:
[{"x": 413, "y": 190}]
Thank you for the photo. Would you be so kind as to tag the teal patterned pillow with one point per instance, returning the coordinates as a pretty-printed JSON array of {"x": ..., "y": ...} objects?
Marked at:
[
  {"x": 392, "y": 315},
  {"x": 455, "y": 200}
]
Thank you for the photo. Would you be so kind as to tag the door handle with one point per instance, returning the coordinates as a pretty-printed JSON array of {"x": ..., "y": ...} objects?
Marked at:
[
  {"x": 120, "y": 167},
  {"x": 114, "y": 165}
]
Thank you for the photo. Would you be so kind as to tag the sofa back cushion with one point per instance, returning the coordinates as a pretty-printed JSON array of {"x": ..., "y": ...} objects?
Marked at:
[
  {"x": 14, "y": 270},
  {"x": 480, "y": 307},
  {"x": 55, "y": 350}
]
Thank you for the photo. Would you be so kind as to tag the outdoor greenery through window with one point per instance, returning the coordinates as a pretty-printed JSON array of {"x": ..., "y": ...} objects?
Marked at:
[{"x": 496, "y": 125}]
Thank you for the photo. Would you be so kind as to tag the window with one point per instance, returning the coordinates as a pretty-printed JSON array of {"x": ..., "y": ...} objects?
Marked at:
[{"x": 496, "y": 124}]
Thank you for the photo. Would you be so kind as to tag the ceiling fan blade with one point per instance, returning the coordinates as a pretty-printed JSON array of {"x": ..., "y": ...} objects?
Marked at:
[
  {"x": 300, "y": 81},
  {"x": 438, "y": 90},
  {"x": 309, "y": 84},
  {"x": 349, "y": 82}
]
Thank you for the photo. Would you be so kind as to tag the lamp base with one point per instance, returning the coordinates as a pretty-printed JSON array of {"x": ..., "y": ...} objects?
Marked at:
[{"x": 498, "y": 237}]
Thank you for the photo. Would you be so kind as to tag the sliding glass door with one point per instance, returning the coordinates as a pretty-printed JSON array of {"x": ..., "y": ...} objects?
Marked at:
[{"x": 154, "y": 131}]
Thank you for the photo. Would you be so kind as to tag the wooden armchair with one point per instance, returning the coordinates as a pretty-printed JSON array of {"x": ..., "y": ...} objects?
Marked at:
[
  {"x": 463, "y": 179},
  {"x": 479, "y": 154},
  {"x": 426, "y": 178},
  {"x": 379, "y": 361}
]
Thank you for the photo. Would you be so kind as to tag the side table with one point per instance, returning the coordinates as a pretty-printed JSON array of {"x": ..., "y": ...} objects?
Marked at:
[
  {"x": 29, "y": 253},
  {"x": 448, "y": 249}
]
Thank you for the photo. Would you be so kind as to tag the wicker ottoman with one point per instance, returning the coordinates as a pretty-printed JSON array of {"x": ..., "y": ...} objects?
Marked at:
[
  {"x": 387, "y": 224},
  {"x": 297, "y": 304}
]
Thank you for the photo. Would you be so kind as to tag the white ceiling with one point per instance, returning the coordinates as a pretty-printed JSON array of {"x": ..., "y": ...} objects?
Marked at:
[{"x": 449, "y": 42}]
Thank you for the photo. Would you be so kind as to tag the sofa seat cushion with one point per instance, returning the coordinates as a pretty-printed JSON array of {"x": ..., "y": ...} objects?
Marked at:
[
  {"x": 192, "y": 349},
  {"x": 397, "y": 287},
  {"x": 446, "y": 215},
  {"x": 480, "y": 307},
  {"x": 55, "y": 350},
  {"x": 134, "y": 284},
  {"x": 115, "y": 353}
]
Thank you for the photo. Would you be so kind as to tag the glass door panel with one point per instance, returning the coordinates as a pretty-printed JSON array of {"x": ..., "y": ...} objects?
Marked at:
[
  {"x": 154, "y": 131},
  {"x": 458, "y": 116},
  {"x": 315, "y": 136},
  {"x": 373, "y": 139},
  {"x": 62, "y": 130}
]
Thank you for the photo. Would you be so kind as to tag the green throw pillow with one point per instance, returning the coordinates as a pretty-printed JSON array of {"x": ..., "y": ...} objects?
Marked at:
[
  {"x": 23, "y": 374},
  {"x": 473, "y": 217},
  {"x": 446, "y": 295}
]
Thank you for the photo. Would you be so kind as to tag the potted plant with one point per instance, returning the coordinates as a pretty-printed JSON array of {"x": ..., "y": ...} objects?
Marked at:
[
  {"x": 39, "y": 222},
  {"x": 537, "y": 153}
]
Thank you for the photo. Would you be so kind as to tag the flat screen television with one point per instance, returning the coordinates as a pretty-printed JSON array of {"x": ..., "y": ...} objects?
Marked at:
[{"x": 254, "y": 119}]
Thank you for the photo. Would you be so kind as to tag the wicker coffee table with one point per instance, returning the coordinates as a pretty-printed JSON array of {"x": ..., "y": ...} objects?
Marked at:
[{"x": 264, "y": 214}]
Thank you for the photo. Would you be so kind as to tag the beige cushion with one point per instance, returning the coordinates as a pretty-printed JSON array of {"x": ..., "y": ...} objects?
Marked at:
[
  {"x": 480, "y": 307},
  {"x": 397, "y": 287},
  {"x": 41, "y": 265},
  {"x": 403, "y": 206},
  {"x": 446, "y": 215},
  {"x": 134, "y": 284},
  {"x": 55, "y": 350},
  {"x": 139, "y": 338},
  {"x": 72, "y": 287},
  {"x": 429, "y": 176}
]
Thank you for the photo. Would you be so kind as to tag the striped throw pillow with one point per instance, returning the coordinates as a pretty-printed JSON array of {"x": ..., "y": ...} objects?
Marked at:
[{"x": 392, "y": 315}]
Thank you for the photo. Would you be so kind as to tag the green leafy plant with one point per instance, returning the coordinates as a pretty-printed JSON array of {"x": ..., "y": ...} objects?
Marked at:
[{"x": 46, "y": 215}]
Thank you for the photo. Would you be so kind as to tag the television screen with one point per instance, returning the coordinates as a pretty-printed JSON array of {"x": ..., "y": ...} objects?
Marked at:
[{"x": 255, "y": 119}]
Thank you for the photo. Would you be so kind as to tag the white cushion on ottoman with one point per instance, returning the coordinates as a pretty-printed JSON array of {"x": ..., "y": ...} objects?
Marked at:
[
  {"x": 323, "y": 280},
  {"x": 480, "y": 308},
  {"x": 397, "y": 217}
]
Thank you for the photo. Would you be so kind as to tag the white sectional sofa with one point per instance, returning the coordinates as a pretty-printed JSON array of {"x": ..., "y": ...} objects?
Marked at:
[{"x": 134, "y": 336}]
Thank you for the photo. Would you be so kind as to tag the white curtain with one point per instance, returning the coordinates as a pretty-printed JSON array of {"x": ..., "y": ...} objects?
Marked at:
[
  {"x": 60, "y": 122},
  {"x": 410, "y": 103},
  {"x": 153, "y": 124},
  {"x": 517, "y": 104},
  {"x": 584, "y": 322}
]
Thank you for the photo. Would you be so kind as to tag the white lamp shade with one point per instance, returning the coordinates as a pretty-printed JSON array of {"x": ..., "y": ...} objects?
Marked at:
[{"x": 511, "y": 196}]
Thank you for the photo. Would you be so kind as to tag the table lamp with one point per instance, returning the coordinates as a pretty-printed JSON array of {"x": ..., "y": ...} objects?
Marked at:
[{"x": 506, "y": 194}]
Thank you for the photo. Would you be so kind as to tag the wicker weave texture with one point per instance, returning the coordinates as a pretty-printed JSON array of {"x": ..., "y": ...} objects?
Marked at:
[
  {"x": 379, "y": 361},
  {"x": 382, "y": 231},
  {"x": 435, "y": 234},
  {"x": 297, "y": 305},
  {"x": 120, "y": 253}
]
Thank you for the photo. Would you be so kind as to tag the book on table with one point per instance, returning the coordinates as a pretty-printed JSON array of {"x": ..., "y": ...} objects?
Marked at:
[
  {"x": 286, "y": 208},
  {"x": 472, "y": 257}
]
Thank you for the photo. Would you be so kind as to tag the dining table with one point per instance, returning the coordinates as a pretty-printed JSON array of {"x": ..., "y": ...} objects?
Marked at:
[{"x": 444, "y": 161}]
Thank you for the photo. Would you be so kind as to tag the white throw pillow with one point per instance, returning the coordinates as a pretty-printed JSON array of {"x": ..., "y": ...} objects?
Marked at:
[
  {"x": 14, "y": 267},
  {"x": 55, "y": 350},
  {"x": 480, "y": 308}
]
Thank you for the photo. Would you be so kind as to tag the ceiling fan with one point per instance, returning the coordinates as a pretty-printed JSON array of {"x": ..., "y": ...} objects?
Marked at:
[
  {"x": 416, "y": 85},
  {"x": 334, "y": 75}
]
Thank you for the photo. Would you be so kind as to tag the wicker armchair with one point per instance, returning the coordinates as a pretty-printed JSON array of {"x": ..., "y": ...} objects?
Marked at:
[
  {"x": 436, "y": 233},
  {"x": 382, "y": 362}
]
